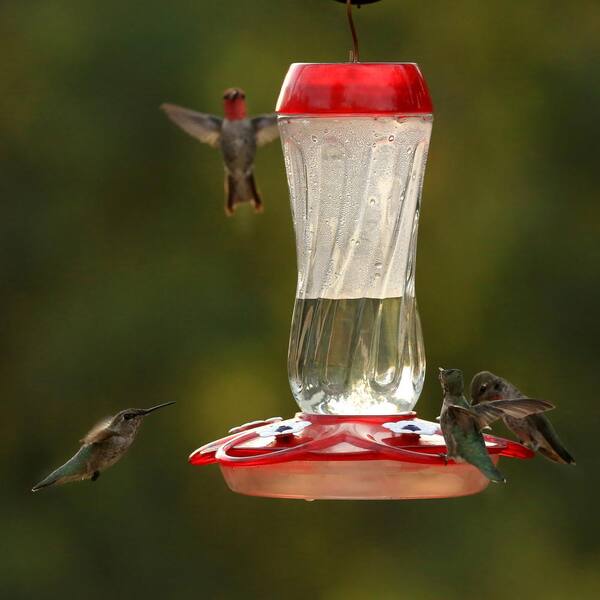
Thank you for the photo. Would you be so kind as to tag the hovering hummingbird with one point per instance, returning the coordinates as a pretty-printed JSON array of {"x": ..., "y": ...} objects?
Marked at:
[
  {"x": 237, "y": 136},
  {"x": 101, "y": 448},
  {"x": 535, "y": 431},
  {"x": 461, "y": 423}
]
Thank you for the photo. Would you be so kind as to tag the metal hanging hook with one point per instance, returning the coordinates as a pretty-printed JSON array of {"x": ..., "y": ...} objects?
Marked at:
[{"x": 354, "y": 53}]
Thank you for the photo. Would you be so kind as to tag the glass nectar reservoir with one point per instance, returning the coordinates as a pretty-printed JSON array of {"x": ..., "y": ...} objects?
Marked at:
[{"x": 355, "y": 138}]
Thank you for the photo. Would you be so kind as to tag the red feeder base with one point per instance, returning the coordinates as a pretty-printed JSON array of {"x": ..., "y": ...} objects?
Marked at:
[{"x": 346, "y": 458}]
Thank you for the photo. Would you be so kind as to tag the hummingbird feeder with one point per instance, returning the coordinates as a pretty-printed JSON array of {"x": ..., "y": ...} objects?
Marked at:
[{"x": 355, "y": 138}]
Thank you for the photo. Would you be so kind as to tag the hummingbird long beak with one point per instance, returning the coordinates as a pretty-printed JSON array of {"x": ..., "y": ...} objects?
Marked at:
[{"x": 146, "y": 411}]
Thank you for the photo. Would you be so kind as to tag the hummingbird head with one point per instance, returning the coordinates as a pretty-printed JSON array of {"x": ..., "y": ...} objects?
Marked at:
[
  {"x": 486, "y": 386},
  {"x": 452, "y": 381},
  {"x": 127, "y": 421},
  {"x": 234, "y": 104}
]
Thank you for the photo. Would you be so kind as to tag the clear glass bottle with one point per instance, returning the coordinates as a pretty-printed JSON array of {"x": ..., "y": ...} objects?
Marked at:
[{"x": 355, "y": 181}]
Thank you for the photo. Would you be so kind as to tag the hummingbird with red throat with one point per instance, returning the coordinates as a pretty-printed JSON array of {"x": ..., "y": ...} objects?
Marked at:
[
  {"x": 237, "y": 136},
  {"x": 102, "y": 447}
]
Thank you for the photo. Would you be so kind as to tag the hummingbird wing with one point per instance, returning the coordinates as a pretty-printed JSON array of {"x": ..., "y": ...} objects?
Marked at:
[
  {"x": 99, "y": 432},
  {"x": 464, "y": 440},
  {"x": 265, "y": 128},
  {"x": 202, "y": 126},
  {"x": 461, "y": 415},
  {"x": 488, "y": 412}
]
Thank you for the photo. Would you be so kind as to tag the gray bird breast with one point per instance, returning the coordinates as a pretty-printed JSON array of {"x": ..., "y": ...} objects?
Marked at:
[
  {"x": 238, "y": 145},
  {"x": 110, "y": 451}
]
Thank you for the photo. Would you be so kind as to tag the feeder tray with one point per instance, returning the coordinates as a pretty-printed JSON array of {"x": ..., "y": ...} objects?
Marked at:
[{"x": 351, "y": 457}]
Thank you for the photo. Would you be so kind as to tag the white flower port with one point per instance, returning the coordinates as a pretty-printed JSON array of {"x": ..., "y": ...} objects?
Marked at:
[
  {"x": 283, "y": 428},
  {"x": 414, "y": 427}
]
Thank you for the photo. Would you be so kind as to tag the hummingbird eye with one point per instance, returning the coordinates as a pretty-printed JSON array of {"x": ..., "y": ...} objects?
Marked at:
[
  {"x": 128, "y": 416},
  {"x": 483, "y": 388}
]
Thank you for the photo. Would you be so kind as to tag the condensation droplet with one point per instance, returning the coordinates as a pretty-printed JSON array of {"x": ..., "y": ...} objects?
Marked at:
[
  {"x": 314, "y": 138},
  {"x": 409, "y": 150},
  {"x": 377, "y": 275},
  {"x": 391, "y": 138},
  {"x": 372, "y": 201}
]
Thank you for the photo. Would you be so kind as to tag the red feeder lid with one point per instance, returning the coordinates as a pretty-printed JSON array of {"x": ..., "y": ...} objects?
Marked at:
[{"x": 354, "y": 89}]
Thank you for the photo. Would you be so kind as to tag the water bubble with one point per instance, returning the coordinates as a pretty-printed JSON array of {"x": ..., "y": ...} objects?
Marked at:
[
  {"x": 378, "y": 265},
  {"x": 372, "y": 201},
  {"x": 314, "y": 138},
  {"x": 409, "y": 150},
  {"x": 391, "y": 138},
  {"x": 377, "y": 275}
]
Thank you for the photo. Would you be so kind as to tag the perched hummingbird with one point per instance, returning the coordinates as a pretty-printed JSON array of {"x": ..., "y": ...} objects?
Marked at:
[
  {"x": 461, "y": 423},
  {"x": 535, "y": 431},
  {"x": 237, "y": 136},
  {"x": 101, "y": 448}
]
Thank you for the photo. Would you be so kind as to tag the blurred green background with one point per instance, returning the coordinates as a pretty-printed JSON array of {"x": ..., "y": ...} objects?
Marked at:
[{"x": 123, "y": 284}]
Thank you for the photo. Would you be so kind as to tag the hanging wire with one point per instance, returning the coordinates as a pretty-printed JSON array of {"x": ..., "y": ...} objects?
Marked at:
[{"x": 354, "y": 53}]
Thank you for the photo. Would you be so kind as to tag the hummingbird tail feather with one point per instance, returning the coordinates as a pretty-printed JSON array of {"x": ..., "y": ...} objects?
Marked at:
[
  {"x": 75, "y": 469},
  {"x": 492, "y": 473},
  {"x": 256, "y": 201},
  {"x": 556, "y": 452},
  {"x": 550, "y": 445},
  {"x": 240, "y": 190},
  {"x": 49, "y": 481}
]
